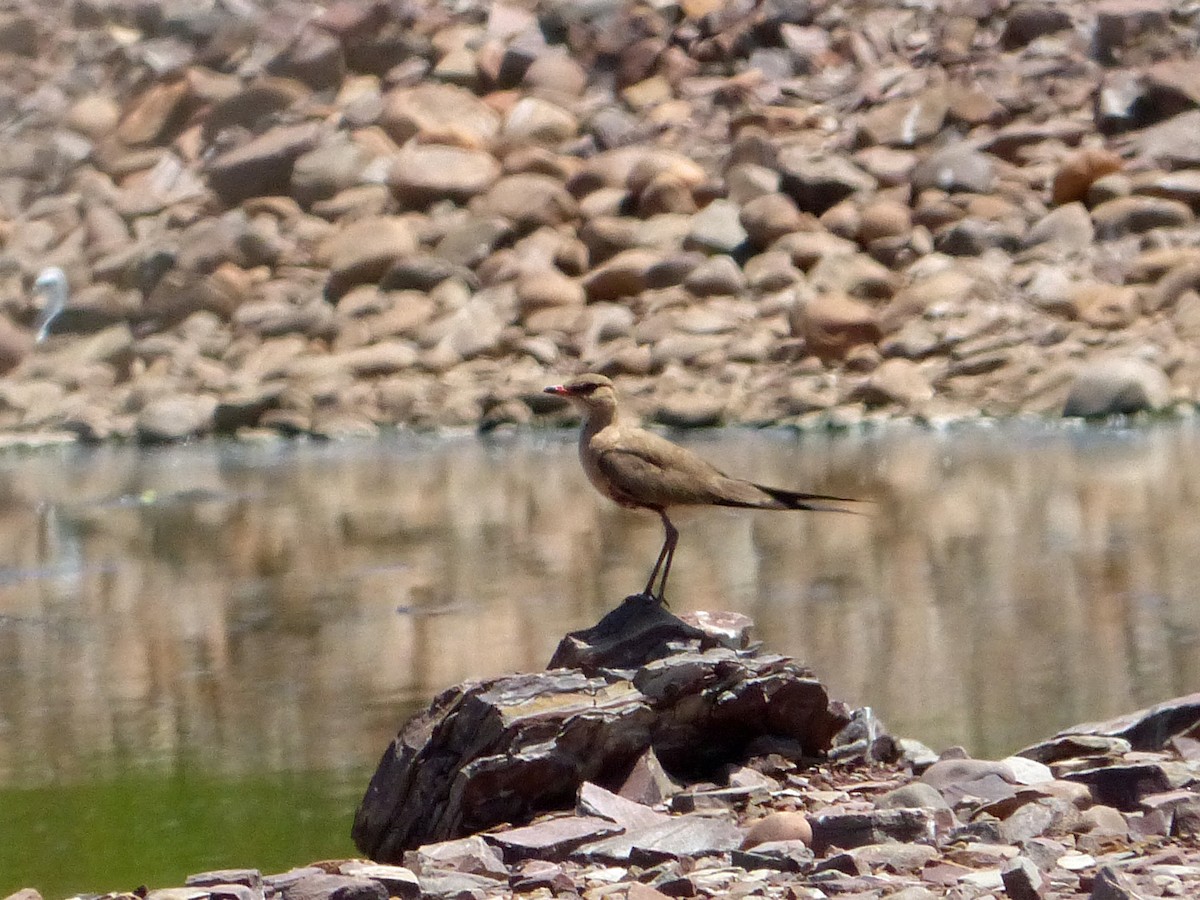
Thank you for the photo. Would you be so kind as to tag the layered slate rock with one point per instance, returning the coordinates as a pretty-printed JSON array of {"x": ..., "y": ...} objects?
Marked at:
[{"x": 508, "y": 748}]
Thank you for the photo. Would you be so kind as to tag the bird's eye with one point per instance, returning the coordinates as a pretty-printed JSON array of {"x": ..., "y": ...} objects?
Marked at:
[{"x": 585, "y": 389}]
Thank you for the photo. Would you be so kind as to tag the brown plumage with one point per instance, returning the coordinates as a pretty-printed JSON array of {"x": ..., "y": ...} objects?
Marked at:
[{"x": 641, "y": 470}]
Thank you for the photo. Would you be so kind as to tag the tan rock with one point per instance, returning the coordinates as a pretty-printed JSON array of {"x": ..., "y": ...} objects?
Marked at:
[
  {"x": 528, "y": 201},
  {"x": 364, "y": 250},
  {"x": 624, "y": 275},
  {"x": 94, "y": 115},
  {"x": 832, "y": 323},
  {"x": 768, "y": 217},
  {"x": 439, "y": 113},
  {"x": 1106, "y": 305},
  {"x": 423, "y": 173},
  {"x": 779, "y": 826},
  {"x": 883, "y": 219},
  {"x": 896, "y": 382},
  {"x": 533, "y": 120},
  {"x": 155, "y": 113},
  {"x": 548, "y": 288}
]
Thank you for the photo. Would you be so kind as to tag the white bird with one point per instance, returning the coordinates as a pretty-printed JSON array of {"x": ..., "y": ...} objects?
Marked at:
[{"x": 51, "y": 285}]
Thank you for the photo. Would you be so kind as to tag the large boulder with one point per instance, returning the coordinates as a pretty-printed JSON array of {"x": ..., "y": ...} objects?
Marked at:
[{"x": 505, "y": 749}]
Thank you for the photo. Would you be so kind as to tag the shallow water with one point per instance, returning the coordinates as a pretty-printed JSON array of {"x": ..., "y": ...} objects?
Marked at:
[{"x": 204, "y": 650}]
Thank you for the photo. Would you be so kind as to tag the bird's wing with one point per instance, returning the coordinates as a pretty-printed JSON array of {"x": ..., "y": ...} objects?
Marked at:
[{"x": 649, "y": 470}]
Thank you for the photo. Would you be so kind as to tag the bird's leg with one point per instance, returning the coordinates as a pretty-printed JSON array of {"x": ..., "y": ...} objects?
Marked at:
[
  {"x": 665, "y": 558},
  {"x": 648, "y": 590}
]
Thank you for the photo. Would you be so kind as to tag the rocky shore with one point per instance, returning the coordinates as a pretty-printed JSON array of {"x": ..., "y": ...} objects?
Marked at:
[
  {"x": 664, "y": 757},
  {"x": 292, "y": 218}
]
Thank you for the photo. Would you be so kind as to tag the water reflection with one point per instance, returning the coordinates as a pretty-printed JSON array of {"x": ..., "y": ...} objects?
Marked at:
[{"x": 276, "y": 608}]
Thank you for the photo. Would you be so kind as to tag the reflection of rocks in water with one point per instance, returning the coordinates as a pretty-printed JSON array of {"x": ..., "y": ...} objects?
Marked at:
[{"x": 996, "y": 569}]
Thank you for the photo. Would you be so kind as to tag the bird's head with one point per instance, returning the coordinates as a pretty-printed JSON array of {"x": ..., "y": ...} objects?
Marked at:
[{"x": 590, "y": 392}]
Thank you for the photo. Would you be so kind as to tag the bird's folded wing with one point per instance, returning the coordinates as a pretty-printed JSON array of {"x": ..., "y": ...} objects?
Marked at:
[{"x": 651, "y": 479}]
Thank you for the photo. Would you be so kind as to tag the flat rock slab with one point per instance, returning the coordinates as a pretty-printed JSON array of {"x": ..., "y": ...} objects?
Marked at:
[
  {"x": 678, "y": 837},
  {"x": 552, "y": 838}
]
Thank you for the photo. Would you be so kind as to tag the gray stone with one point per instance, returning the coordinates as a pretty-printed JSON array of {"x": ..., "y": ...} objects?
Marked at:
[
  {"x": 716, "y": 229},
  {"x": 552, "y": 838},
  {"x": 469, "y": 855},
  {"x": 1022, "y": 879},
  {"x": 397, "y": 880},
  {"x": 1117, "y": 387},
  {"x": 954, "y": 168},
  {"x": 333, "y": 887},
  {"x": 818, "y": 182},
  {"x": 917, "y": 794},
  {"x": 678, "y": 837},
  {"x": 175, "y": 418},
  {"x": 857, "y": 829}
]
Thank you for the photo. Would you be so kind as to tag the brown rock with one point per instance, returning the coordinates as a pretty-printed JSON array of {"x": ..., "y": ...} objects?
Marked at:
[
  {"x": 884, "y": 219},
  {"x": 1067, "y": 228},
  {"x": 263, "y": 165},
  {"x": 15, "y": 345},
  {"x": 556, "y": 73},
  {"x": 324, "y": 171},
  {"x": 18, "y": 34},
  {"x": 716, "y": 275},
  {"x": 817, "y": 182},
  {"x": 253, "y": 103},
  {"x": 314, "y": 57},
  {"x": 548, "y": 288},
  {"x": 906, "y": 123},
  {"x": 898, "y": 382},
  {"x": 1077, "y": 172}
]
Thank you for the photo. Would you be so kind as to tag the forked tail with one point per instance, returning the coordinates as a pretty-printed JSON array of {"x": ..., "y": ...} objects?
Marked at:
[{"x": 815, "y": 502}]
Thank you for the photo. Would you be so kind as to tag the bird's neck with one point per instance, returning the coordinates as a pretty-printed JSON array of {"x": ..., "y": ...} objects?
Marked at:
[{"x": 597, "y": 420}]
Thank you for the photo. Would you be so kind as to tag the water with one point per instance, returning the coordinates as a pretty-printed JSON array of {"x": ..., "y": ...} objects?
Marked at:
[{"x": 205, "y": 650}]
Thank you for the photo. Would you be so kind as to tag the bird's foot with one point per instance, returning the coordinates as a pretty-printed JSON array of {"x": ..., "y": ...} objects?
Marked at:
[{"x": 648, "y": 597}]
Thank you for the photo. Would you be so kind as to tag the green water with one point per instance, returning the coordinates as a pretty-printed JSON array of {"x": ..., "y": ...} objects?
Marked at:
[{"x": 156, "y": 829}]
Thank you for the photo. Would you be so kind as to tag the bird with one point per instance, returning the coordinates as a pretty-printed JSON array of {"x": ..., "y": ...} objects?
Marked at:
[
  {"x": 638, "y": 469},
  {"x": 50, "y": 284},
  {"x": 15, "y": 342}
]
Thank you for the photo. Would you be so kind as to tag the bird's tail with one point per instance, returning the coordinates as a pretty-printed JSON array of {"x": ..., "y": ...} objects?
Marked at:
[{"x": 778, "y": 498}]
